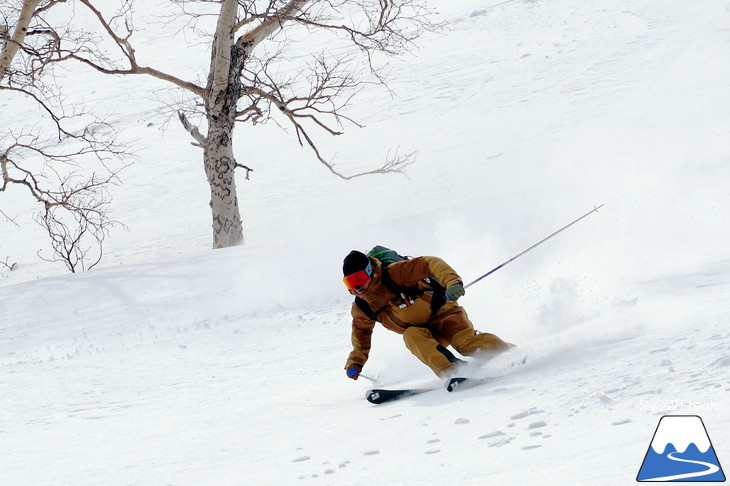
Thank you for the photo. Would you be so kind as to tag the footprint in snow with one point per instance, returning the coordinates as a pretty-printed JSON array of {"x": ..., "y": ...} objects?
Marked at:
[
  {"x": 501, "y": 443},
  {"x": 622, "y": 422},
  {"x": 660, "y": 350},
  {"x": 605, "y": 399},
  {"x": 491, "y": 435},
  {"x": 527, "y": 448},
  {"x": 525, "y": 413}
]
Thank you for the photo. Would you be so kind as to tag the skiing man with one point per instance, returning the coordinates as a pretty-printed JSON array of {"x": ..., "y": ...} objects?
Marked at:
[{"x": 415, "y": 298}]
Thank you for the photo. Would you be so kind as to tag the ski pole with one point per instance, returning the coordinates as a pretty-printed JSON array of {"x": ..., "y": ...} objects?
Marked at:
[{"x": 594, "y": 210}]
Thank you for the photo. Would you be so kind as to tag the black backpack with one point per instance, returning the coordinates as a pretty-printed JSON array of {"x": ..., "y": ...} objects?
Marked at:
[
  {"x": 386, "y": 255},
  {"x": 407, "y": 295}
]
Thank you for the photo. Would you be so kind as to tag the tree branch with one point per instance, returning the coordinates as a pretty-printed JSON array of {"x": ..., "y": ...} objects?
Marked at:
[
  {"x": 200, "y": 139},
  {"x": 129, "y": 52},
  {"x": 62, "y": 132},
  {"x": 74, "y": 197},
  {"x": 9, "y": 266},
  {"x": 248, "y": 41}
]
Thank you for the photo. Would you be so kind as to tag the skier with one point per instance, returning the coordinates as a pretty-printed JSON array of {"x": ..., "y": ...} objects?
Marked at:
[{"x": 404, "y": 298}]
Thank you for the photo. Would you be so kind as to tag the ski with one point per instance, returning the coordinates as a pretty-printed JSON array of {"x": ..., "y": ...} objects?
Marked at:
[
  {"x": 461, "y": 383},
  {"x": 382, "y": 395}
]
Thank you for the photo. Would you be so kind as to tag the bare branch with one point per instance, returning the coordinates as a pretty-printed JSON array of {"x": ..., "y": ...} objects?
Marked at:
[
  {"x": 246, "y": 168},
  {"x": 250, "y": 13},
  {"x": 8, "y": 219},
  {"x": 74, "y": 207},
  {"x": 48, "y": 6},
  {"x": 391, "y": 27},
  {"x": 318, "y": 96},
  {"x": 332, "y": 84},
  {"x": 272, "y": 21},
  {"x": 9, "y": 266},
  {"x": 56, "y": 118},
  {"x": 193, "y": 130},
  {"x": 395, "y": 164},
  {"x": 129, "y": 52},
  {"x": 79, "y": 246}
]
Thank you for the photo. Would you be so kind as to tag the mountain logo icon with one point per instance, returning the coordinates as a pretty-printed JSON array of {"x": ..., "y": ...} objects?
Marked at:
[{"x": 681, "y": 451}]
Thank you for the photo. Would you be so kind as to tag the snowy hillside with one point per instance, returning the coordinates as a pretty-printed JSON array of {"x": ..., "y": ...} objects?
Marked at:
[{"x": 173, "y": 364}]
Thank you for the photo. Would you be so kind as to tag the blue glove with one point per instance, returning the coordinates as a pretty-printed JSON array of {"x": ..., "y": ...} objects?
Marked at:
[{"x": 353, "y": 371}]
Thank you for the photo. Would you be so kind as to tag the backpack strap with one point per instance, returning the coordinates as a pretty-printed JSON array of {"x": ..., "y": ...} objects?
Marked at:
[
  {"x": 365, "y": 307},
  {"x": 406, "y": 293},
  {"x": 439, "y": 294},
  {"x": 439, "y": 291}
]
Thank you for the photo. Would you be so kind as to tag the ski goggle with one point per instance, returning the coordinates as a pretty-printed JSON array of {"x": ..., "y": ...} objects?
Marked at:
[{"x": 359, "y": 279}]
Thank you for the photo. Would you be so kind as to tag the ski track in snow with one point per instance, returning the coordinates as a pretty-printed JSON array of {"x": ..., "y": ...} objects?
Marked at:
[{"x": 532, "y": 427}]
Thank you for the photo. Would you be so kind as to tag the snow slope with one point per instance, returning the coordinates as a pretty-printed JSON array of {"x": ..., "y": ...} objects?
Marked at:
[{"x": 172, "y": 364}]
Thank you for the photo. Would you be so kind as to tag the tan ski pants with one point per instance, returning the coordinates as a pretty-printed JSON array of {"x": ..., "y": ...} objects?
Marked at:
[{"x": 450, "y": 328}]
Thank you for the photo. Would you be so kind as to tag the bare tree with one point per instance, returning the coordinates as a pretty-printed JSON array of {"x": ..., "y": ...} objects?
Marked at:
[
  {"x": 75, "y": 206},
  {"x": 245, "y": 84},
  {"x": 66, "y": 159}
]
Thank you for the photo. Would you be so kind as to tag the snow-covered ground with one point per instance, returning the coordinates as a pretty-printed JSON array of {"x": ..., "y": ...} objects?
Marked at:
[{"x": 173, "y": 364}]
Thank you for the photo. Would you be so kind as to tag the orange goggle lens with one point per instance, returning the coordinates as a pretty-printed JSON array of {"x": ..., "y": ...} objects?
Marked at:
[{"x": 358, "y": 279}]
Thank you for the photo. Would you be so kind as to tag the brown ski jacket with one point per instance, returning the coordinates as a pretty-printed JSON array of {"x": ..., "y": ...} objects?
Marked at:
[{"x": 399, "y": 314}]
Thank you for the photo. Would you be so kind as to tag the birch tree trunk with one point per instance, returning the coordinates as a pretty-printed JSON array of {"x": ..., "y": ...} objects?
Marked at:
[
  {"x": 222, "y": 94},
  {"x": 11, "y": 46}
]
